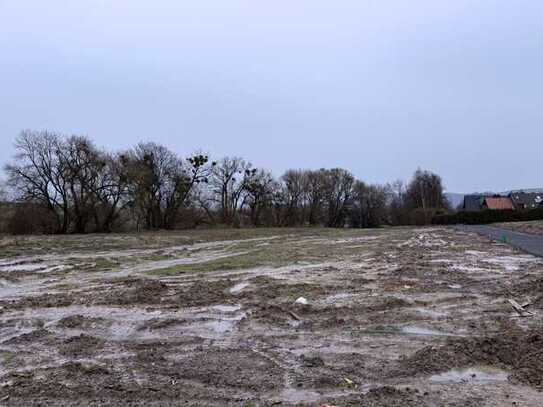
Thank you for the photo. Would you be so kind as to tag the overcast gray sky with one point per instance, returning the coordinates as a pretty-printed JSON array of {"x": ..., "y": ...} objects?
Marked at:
[{"x": 379, "y": 87}]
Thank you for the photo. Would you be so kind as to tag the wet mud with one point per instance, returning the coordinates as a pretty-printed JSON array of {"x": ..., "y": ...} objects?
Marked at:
[{"x": 393, "y": 317}]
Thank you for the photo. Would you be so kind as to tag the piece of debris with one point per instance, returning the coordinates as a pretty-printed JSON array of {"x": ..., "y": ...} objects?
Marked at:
[
  {"x": 301, "y": 301},
  {"x": 294, "y": 315},
  {"x": 349, "y": 382},
  {"x": 312, "y": 361},
  {"x": 520, "y": 308}
]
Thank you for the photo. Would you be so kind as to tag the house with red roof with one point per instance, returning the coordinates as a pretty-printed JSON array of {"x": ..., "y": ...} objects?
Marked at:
[{"x": 498, "y": 203}]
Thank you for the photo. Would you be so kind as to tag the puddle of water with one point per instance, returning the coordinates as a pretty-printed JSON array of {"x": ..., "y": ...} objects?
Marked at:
[
  {"x": 511, "y": 263},
  {"x": 291, "y": 395},
  {"x": 478, "y": 375},
  {"x": 215, "y": 321},
  {"x": 262, "y": 244},
  {"x": 225, "y": 308},
  {"x": 238, "y": 288},
  {"x": 339, "y": 296},
  {"x": 431, "y": 313},
  {"x": 221, "y": 326},
  {"x": 213, "y": 326},
  {"x": 124, "y": 322},
  {"x": 23, "y": 267},
  {"x": 475, "y": 253},
  {"x": 294, "y": 324}
]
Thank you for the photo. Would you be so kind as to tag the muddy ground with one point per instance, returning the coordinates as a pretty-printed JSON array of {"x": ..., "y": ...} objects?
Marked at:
[{"x": 395, "y": 317}]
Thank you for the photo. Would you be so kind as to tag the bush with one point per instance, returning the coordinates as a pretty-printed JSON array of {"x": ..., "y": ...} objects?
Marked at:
[
  {"x": 29, "y": 218},
  {"x": 6, "y": 213},
  {"x": 488, "y": 216},
  {"x": 420, "y": 217}
]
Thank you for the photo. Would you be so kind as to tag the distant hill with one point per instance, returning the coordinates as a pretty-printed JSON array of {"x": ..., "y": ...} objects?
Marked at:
[{"x": 454, "y": 198}]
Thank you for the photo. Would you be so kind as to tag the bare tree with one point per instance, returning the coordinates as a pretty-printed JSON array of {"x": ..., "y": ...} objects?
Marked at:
[
  {"x": 39, "y": 176},
  {"x": 193, "y": 171},
  {"x": 293, "y": 196},
  {"x": 70, "y": 185},
  {"x": 110, "y": 192},
  {"x": 229, "y": 179},
  {"x": 315, "y": 194},
  {"x": 338, "y": 190},
  {"x": 160, "y": 182},
  {"x": 260, "y": 187},
  {"x": 368, "y": 205},
  {"x": 3, "y": 191},
  {"x": 398, "y": 211},
  {"x": 84, "y": 166}
]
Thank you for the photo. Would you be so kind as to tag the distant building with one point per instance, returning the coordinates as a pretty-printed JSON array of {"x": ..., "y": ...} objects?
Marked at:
[
  {"x": 496, "y": 203},
  {"x": 514, "y": 200},
  {"x": 473, "y": 203},
  {"x": 526, "y": 200}
]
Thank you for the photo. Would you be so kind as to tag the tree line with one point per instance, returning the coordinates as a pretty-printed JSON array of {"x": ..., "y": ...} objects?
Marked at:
[{"x": 66, "y": 184}]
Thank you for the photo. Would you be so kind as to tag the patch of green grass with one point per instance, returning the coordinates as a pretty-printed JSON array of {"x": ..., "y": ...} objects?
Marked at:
[
  {"x": 98, "y": 264},
  {"x": 157, "y": 257},
  {"x": 267, "y": 256},
  {"x": 65, "y": 286},
  {"x": 305, "y": 247},
  {"x": 7, "y": 356},
  {"x": 240, "y": 262},
  {"x": 65, "y": 244}
]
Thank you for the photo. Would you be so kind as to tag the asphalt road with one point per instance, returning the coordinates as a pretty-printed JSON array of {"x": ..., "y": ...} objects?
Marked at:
[{"x": 532, "y": 244}]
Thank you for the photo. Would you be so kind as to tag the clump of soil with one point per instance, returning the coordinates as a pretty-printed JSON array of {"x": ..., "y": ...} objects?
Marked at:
[
  {"x": 358, "y": 282},
  {"x": 389, "y": 303},
  {"x": 13, "y": 276},
  {"x": 157, "y": 323},
  {"x": 393, "y": 397},
  {"x": 236, "y": 368},
  {"x": 85, "y": 369},
  {"x": 135, "y": 291},
  {"x": 48, "y": 386},
  {"x": 151, "y": 356},
  {"x": 517, "y": 352},
  {"x": 532, "y": 288},
  {"x": 273, "y": 289},
  {"x": 42, "y": 301},
  {"x": 280, "y": 315},
  {"x": 82, "y": 345},
  {"x": 203, "y": 293},
  {"x": 312, "y": 361},
  {"x": 80, "y": 321},
  {"x": 34, "y": 336}
]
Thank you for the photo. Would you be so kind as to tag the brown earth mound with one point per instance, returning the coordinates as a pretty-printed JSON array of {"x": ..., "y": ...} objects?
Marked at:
[
  {"x": 520, "y": 353},
  {"x": 79, "y": 346},
  {"x": 203, "y": 293},
  {"x": 134, "y": 291}
]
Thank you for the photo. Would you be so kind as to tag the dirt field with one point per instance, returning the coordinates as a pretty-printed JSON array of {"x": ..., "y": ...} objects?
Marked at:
[
  {"x": 395, "y": 317},
  {"x": 533, "y": 228}
]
